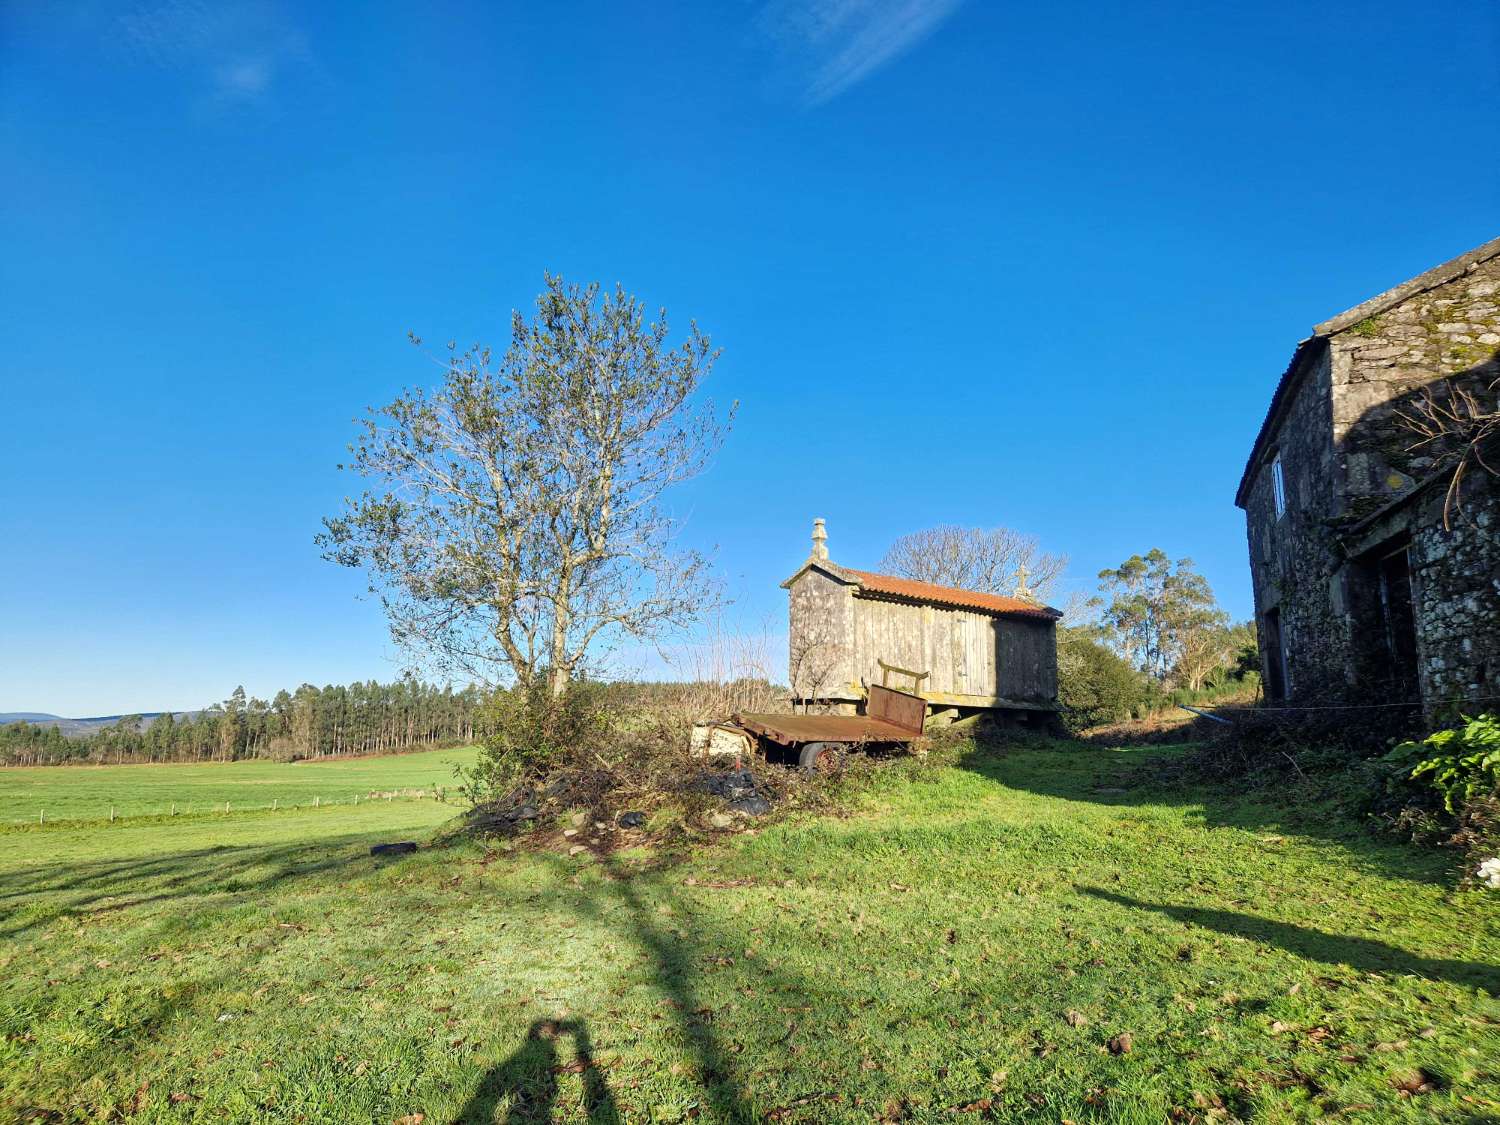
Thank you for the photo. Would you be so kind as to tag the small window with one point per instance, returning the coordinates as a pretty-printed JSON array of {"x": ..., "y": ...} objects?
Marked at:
[{"x": 1278, "y": 486}]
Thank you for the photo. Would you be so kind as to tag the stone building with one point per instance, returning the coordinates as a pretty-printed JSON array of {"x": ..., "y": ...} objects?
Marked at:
[{"x": 1375, "y": 579}]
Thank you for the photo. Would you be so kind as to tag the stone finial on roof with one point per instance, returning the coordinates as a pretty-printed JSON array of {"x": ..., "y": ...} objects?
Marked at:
[
  {"x": 819, "y": 540},
  {"x": 1022, "y": 590}
]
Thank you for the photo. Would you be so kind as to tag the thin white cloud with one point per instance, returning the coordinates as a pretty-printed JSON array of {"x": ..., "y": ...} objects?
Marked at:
[
  {"x": 247, "y": 78},
  {"x": 237, "y": 47},
  {"x": 846, "y": 41}
]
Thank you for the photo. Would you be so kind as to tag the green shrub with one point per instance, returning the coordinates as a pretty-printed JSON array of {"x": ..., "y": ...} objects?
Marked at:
[
  {"x": 1461, "y": 764},
  {"x": 1094, "y": 685},
  {"x": 527, "y": 732}
]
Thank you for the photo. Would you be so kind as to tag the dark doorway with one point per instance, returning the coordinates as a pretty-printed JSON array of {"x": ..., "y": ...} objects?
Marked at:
[
  {"x": 1275, "y": 657},
  {"x": 1400, "y": 624}
]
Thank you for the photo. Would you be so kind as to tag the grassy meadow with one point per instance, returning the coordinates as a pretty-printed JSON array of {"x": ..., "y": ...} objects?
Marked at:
[
  {"x": 85, "y": 792},
  {"x": 1029, "y": 934}
]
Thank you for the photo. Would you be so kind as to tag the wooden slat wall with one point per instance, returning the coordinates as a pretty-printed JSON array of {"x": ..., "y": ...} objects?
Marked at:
[{"x": 966, "y": 653}]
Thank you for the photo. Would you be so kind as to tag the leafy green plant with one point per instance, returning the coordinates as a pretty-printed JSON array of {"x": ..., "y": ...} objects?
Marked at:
[
  {"x": 1094, "y": 685},
  {"x": 1460, "y": 763},
  {"x": 527, "y": 732}
]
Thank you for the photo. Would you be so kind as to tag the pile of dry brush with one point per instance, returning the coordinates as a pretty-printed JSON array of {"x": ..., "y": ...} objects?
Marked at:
[{"x": 608, "y": 762}]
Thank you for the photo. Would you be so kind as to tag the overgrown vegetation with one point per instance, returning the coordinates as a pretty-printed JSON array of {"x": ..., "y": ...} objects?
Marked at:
[
  {"x": 1097, "y": 687},
  {"x": 1094, "y": 684},
  {"x": 1461, "y": 767},
  {"x": 1440, "y": 789},
  {"x": 608, "y": 749}
]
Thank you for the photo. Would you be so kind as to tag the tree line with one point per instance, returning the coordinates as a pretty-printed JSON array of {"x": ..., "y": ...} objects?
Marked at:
[
  {"x": 310, "y": 722},
  {"x": 1154, "y": 633}
]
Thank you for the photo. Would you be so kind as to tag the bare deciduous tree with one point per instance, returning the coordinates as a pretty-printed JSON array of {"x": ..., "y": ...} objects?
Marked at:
[
  {"x": 971, "y": 558},
  {"x": 516, "y": 528},
  {"x": 1458, "y": 425}
]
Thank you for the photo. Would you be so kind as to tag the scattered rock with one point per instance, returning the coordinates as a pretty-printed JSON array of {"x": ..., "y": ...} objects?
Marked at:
[
  {"x": 632, "y": 820},
  {"x": 570, "y": 832},
  {"x": 404, "y": 847},
  {"x": 579, "y": 819},
  {"x": 577, "y": 849},
  {"x": 721, "y": 820}
]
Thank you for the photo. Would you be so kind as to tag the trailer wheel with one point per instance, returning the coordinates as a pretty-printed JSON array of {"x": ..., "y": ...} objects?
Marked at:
[{"x": 822, "y": 757}]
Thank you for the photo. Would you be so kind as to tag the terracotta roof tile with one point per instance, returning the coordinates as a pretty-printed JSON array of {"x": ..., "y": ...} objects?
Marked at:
[{"x": 891, "y": 586}]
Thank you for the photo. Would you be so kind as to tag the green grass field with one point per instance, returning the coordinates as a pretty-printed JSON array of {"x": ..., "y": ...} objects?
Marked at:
[
  {"x": 972, "y": 943},
  {"x": 88, "y": 792}
]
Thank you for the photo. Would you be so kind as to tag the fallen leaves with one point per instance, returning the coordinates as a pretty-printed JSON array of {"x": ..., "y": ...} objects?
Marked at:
[
  {"x": 1416, "y": 1081},
  {"x": 1121, "y": 1044},
  {"x": 1074, "y": 1018},
  {"x": 780, "y": 1113}
]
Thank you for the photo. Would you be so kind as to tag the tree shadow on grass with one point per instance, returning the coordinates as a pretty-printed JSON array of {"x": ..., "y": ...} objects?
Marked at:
[
  {"x": 36, "y": 896},
  {"x": 528, "y": 1080},
  {"x": 671, "y": 959},
  {"x": 1080, "y": 771},
  {"x": 1364, "y": 954},
  {"x": 677, "y": 943}
]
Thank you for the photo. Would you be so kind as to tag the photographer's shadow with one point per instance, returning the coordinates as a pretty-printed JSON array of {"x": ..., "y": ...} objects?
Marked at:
[{"x": 527, "y": 1080}]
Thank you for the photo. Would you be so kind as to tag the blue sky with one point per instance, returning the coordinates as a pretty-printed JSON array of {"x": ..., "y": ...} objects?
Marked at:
[{"x": 1031, "y": 265}]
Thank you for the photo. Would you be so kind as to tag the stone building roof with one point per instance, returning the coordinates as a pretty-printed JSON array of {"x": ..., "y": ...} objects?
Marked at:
[{"x": 1308, "y": 349}]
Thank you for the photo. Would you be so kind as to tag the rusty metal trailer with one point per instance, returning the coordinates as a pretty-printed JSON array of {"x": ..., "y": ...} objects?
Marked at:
[{"x": 891, "y": 718}]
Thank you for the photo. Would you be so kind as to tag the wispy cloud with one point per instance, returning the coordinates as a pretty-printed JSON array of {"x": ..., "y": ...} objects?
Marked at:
[
  {"x": 846, "y": 41},
  {"x": 237, "y": 47}
]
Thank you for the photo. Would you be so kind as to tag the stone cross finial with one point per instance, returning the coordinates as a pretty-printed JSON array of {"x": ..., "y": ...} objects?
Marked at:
[
  {"x": 820, "y": 540},
  {"x": 1023, "y": 591}
]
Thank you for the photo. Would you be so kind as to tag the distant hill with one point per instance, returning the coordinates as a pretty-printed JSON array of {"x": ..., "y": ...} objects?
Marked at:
[{"x": 79, "y": 728}]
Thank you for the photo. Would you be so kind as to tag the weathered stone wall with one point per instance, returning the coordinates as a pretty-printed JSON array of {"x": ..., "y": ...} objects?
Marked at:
[
  {"x": 1347, "y": 458},
  {"x": 1456, "y": 587},
  {"x": 1294, "y": 559},
  {"x": 1380, "y": 366}
]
